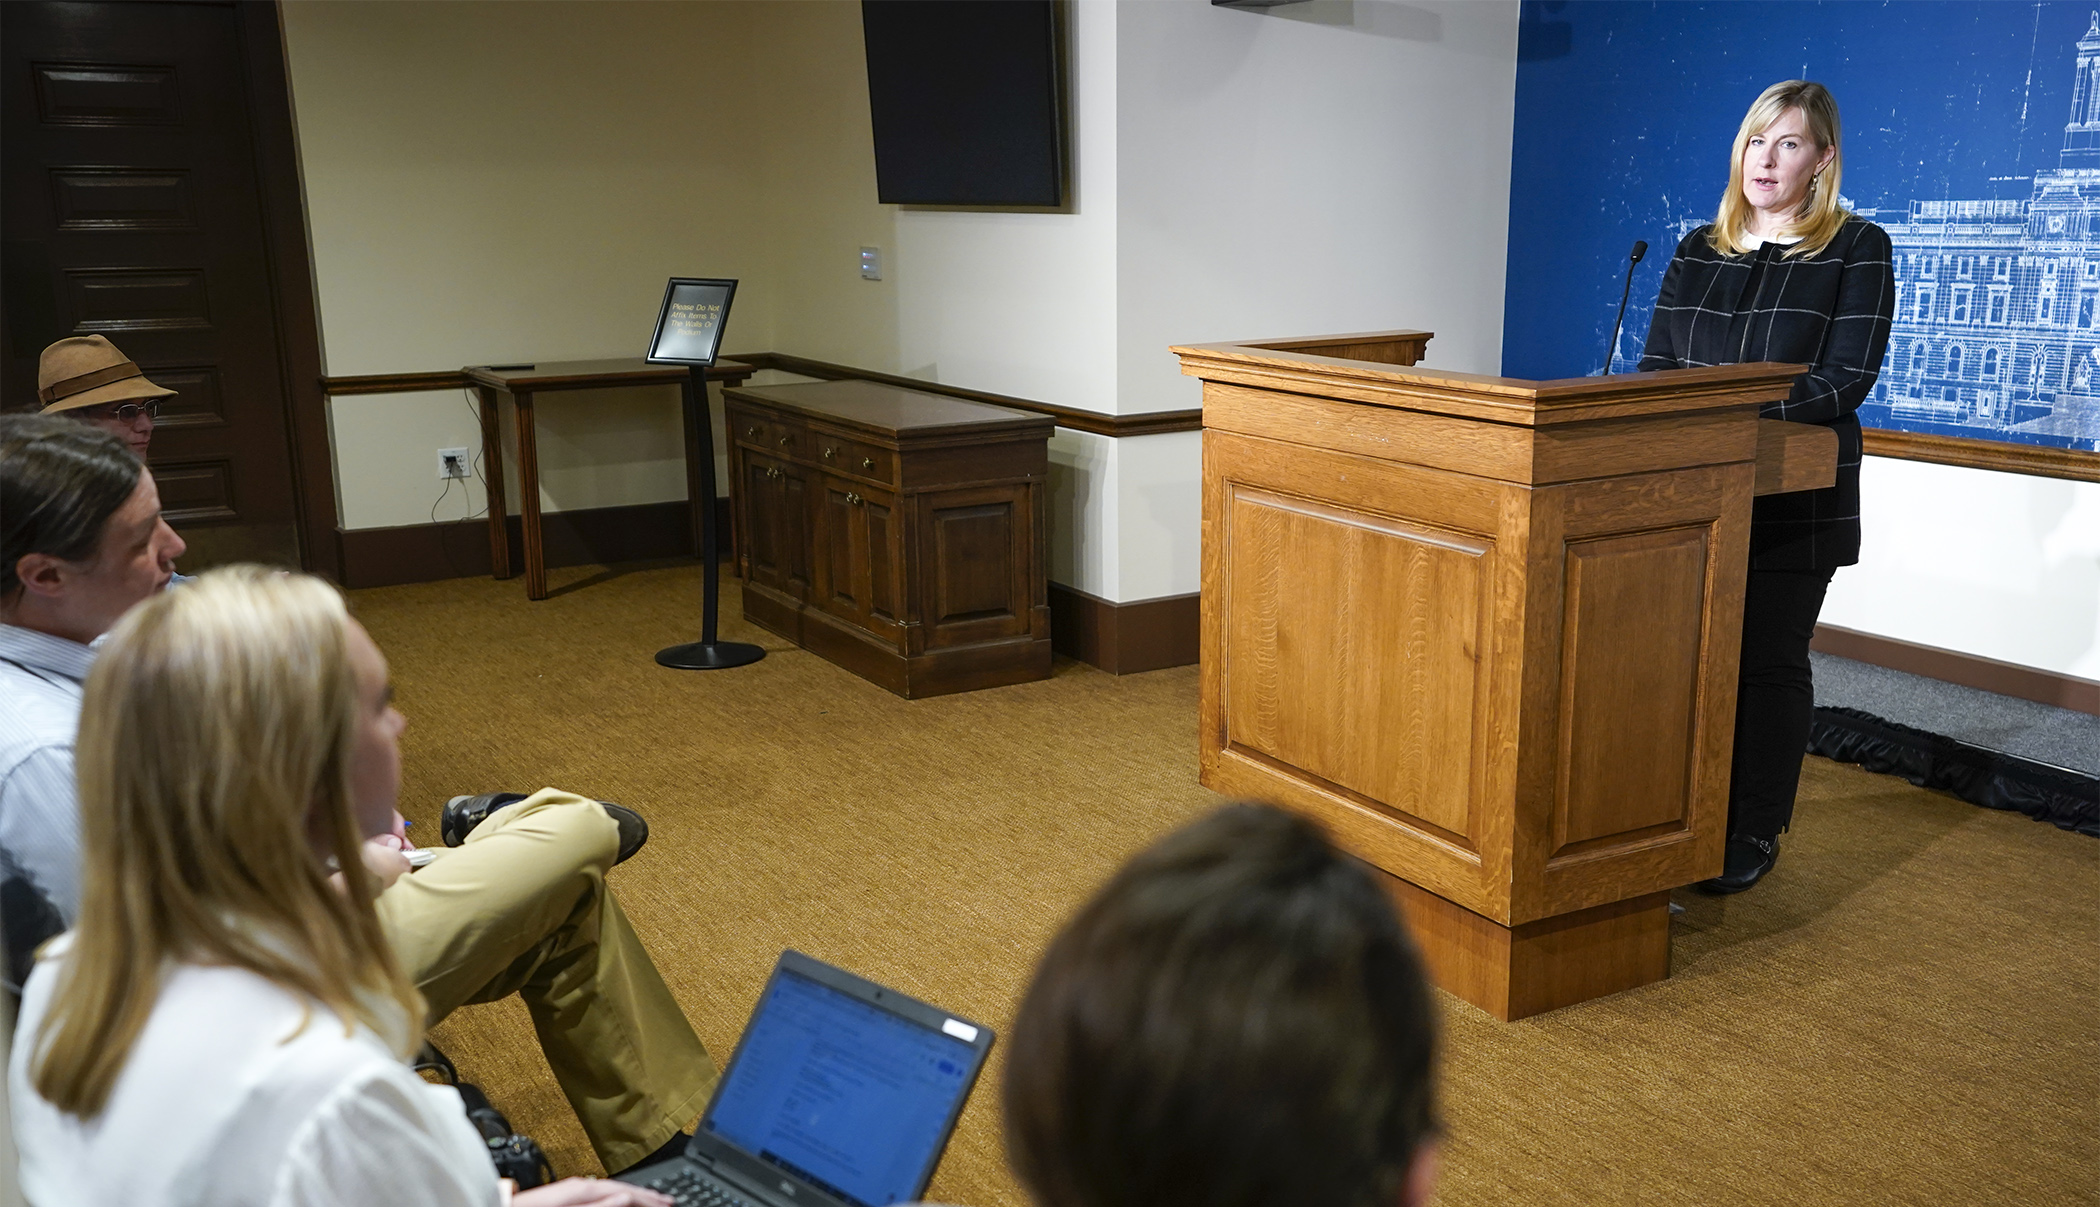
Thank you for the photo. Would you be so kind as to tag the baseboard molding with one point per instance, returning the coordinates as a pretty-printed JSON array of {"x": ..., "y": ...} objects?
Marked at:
[
  {"x": 1125, "y": 638},
  {"x": 1969, "y": 670},
  {"x": 421, "y": 553}
]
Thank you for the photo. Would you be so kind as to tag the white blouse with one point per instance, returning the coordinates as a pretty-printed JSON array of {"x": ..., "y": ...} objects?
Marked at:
[{"x": 239, "y": 1093}]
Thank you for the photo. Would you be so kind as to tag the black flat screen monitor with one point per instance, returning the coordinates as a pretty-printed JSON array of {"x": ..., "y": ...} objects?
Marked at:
[{"x": 967, "y": 100}]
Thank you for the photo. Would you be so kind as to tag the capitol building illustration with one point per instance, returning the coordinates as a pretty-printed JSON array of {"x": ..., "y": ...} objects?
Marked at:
[
  {"x": 1996, "y": 333},
  {"x": 1997, "y": 323}
]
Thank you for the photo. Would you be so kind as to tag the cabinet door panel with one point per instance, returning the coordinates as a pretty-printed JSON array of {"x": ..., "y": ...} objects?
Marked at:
[
  {"x": 760, "y": 536},
  {"x": 976, "y": 550},
  {"x": 776, "y": 503},
  {"x": 855, "y": 553},
  {"x": 840, "y": 551},
  {"x": 795, "y": 524},
  {"x": 884, "y": 603}
]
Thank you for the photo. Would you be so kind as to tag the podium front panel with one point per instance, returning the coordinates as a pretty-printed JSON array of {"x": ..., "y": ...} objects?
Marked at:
[
  {"x": 1350, "y": 659},
  {"x": 1513, "y": 696},
  {"x": 1637, "y": 585}
]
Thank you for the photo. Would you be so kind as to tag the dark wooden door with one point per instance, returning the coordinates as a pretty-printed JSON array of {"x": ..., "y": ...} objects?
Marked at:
[{"x": 132, "y": 209}]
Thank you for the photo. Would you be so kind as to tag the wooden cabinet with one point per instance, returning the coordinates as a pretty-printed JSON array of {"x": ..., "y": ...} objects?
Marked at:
[{"x": 899, "y": 534}]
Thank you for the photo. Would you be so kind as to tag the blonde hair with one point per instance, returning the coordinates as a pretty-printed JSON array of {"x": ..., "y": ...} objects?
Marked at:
[
  {"x": 1820, "y": 216},
  {"x": 215, "y": 735}
]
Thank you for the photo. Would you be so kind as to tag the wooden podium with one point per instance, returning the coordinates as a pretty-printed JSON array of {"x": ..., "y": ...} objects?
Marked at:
[{"x": 1486, "y": 630}]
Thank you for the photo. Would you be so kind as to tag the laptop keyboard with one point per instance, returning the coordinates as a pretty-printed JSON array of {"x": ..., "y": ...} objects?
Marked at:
[{"x": 692, "y": 1189}]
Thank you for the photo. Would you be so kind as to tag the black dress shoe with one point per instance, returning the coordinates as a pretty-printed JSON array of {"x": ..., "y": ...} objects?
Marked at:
[
  {"x": 463, "y": 813},
  {"x": 1746, "y": 862}
]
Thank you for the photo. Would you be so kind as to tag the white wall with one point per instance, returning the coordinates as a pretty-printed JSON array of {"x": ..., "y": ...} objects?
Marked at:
[
  {"x": 807, "y": 112},
  {"x": 508, "y": 182},
  {"x": 504, "y": 181},
  {"x": 514, "y": 182},
  {"x": 2006, "y": 566},
  {"x": 1322, "y": 167}
]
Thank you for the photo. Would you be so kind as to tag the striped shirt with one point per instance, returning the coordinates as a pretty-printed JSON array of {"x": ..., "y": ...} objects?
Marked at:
[
  {"x": 40, "y": 684},
  {"x": 1829, "y": 311}
]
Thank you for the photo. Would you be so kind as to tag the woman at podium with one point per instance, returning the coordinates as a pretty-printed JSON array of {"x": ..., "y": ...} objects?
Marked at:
[{"x": 1783, "y": 273}]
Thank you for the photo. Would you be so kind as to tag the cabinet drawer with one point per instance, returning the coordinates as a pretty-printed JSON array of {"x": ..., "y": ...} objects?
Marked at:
[
  {"x": 852, "y": 458},
  {"x": 773, "y": 436}
]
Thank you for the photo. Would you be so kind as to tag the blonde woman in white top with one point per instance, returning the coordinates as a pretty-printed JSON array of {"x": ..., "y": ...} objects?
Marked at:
[{"x": 226, "y": 1025}]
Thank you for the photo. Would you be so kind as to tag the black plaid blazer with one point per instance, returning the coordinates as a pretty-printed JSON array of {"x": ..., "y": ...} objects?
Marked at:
[{"x": 1829, "y": 311}]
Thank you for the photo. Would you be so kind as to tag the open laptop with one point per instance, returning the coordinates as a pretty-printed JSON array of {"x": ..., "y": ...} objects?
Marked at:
[{"x": 840, "y": 1093}]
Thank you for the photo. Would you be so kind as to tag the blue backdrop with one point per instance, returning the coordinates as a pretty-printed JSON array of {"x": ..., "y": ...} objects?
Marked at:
[{"x": 1954, "y": 119}]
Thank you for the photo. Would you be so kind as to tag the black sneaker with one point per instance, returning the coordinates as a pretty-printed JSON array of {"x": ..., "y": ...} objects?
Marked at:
[
  {"x": 463, "y": 813},
  {"x": 1746, "y": 862}
]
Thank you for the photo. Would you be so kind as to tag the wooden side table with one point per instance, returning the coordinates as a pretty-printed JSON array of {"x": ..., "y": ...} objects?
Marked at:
[{"x": 521, "y": 382}]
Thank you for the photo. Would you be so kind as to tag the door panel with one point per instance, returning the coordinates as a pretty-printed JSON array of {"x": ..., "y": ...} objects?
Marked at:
[
  {"x": 841, "y": 551},
  {"x": 976, "y": 556},
  {"x": 132, "y": 209},
  {"x": 855, "y": 562},
  {"x": 774, "y": 528},
  {"x": 884, "y": 607}
]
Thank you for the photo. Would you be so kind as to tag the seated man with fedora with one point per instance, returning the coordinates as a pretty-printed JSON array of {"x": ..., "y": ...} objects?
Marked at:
[{"x": 85, "y": 377}]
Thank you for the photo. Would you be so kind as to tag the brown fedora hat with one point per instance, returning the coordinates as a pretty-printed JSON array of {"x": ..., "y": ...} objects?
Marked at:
[{"x": 86, "y": 371}]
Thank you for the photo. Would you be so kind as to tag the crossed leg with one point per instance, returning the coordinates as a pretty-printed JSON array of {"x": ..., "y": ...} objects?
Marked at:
[{"x": 522, "y": 907}]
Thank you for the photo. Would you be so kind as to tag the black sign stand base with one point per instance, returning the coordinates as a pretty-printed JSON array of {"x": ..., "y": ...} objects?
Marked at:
[{"x": 706, "y": 654}]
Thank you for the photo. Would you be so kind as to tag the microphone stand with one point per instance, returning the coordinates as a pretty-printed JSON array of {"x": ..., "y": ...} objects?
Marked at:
[{"x": 1640, "y": 249}]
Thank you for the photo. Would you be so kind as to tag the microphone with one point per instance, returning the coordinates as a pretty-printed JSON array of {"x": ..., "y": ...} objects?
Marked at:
[{"x": 1640, "y": 248}]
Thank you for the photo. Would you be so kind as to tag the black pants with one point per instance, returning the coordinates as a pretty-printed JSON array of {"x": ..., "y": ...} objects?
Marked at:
[{"x": 1775, "y": 698}]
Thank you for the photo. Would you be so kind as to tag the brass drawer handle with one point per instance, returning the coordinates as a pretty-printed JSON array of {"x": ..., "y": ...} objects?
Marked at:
[
  {"x": 867, "y": 463},
  {"x": 854, "y": 499},
  {"x": 829, "y": 453},
  {"x": 772, "y": 472},
  {"x": 786, "y": 440},
  {"x": 751, "y": 432}
]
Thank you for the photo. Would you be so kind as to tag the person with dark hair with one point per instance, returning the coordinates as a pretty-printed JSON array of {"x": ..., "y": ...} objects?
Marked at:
[
  {"x": 520, "y": 906},
  {"x": 1237, "y": 1019},
  {"x": 84, "y": 377},
  {"x": 83, "y": 540},
  {"x": 249, "y": 981}
]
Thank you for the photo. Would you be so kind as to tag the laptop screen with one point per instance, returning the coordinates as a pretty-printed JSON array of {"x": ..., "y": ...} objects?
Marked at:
[{"x": 841, "y": 1093}]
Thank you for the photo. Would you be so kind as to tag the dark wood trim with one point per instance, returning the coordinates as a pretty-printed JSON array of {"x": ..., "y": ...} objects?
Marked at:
[
  {"x": 1125, "y": 638},
  {"x": 396, "y": 383},
  {"x": 1969, "y": 670},
  {"x": 283, "y": 199},
  {"x": 1150, "y": 423},
  {"x": 422, "y": 553},
  {"x": 2035, "y": 459},
  {"x": 603, "y": 374}
]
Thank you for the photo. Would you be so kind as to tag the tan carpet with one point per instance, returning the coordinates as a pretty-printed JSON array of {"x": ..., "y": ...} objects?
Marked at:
[{"x": 1907, "y": 1011}]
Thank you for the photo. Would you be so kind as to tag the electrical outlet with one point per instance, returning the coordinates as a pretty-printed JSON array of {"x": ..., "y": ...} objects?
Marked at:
[
  {"x": 871, "y": 263},
  {"x": 454, "y": 463}
]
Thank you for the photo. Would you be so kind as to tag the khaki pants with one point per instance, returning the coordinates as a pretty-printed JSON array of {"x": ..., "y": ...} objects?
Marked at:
[{"x": 522, "y": 907}]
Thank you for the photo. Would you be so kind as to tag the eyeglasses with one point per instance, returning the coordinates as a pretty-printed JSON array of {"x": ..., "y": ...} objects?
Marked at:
[{"x": 132, "y": 410}]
